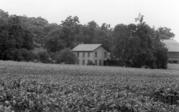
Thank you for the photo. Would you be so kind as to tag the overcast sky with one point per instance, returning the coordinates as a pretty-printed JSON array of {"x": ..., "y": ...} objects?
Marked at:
[{"x": 157, "y": 12}]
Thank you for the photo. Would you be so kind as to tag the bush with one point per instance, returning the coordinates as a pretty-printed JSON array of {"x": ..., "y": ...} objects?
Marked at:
[
  {"x": 65, "y": 56},
  {"x": 18, "y": 55},
  {"x": 27, "y": 55},
  {"x": 44, "y": 57},
  {"x": 90, "y": 62}
]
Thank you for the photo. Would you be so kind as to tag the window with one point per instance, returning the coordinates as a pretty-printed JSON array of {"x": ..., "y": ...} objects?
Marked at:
[
  {"x": 96, "y": 54},
  {"x": 105, "y": 54},
  {"x": 83, "y": 62},
  {"x": 96, "y": 62},
  {"x": 83, "y": 54},
  {"x": 89, "y": 62},
  {"x": 100, "y": 62},
  {"x": 77, "y": 54},
  {"x": 88, "y": 54}
]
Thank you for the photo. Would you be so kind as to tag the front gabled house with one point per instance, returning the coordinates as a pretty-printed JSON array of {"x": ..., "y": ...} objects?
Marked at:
[{"x": 90, "y": 54}]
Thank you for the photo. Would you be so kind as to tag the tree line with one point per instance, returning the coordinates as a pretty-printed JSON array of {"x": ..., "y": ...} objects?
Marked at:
[{"x": 134, "y": 45}]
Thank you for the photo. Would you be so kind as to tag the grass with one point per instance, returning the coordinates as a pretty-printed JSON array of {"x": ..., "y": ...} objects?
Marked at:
[
  {"x": 173, "y": 66},
  {"x": 92, "y": 87},
  {"x": 55, "y": 72}
]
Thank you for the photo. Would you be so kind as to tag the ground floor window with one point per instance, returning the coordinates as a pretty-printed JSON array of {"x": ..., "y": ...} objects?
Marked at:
[
  {"x": 96, "y": 62},
  {"x": 83, "y": 62},
  {"x": 173, "y": 61}
]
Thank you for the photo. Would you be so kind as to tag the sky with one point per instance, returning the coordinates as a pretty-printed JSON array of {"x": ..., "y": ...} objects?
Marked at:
[{"x": 157, "y": 13}]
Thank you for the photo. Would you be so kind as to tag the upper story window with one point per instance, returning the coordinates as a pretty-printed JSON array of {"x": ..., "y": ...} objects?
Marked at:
[
  {"x": 83, "y": 54},
  {"x": 77, "y": 54},
  {"x": 88, "y": 54},
  {"x": 83, "y": 62},
  {"x": 96, "y": 54},
  {"x": 105, "y": 54},
  {"x": 96, "y": 62}
]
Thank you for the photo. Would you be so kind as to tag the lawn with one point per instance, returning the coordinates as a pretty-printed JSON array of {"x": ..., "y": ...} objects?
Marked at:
[{"x": 39, "y": 87}]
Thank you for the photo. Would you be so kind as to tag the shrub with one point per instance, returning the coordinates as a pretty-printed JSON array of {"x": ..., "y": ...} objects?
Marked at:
[
  {"x": 65, "y": 56},
  {"x": 18, "y": 55},
  {"x": 90, "y": 62},
  {"x": 44, "y": 57}
]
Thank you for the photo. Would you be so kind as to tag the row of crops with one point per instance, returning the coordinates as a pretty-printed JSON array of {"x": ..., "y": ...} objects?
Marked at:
[{"x": 37, "y": 88}]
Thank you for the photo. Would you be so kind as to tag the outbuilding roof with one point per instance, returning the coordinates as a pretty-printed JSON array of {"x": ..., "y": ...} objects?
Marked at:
[
  {"x": 86, "y": 47},
  {"x": 172, "y": 45}
]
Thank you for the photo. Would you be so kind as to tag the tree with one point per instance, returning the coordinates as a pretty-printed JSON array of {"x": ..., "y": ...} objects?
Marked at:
[
  {"x": 70, "y": 30},
  {"x": 36, "y": 26},
  {"x": 55, "y": 41},
  {"x": 138, "y": 45},
  {"x": 93, "y": 33},
  {"x": 104, "y": 36},
  {"x": 165, "y": 33},
  {"x": 21, "y": 37},
  {"x": 120, "y": 42},
  {"x": 64, "y": 36},
  {"x": 3, "y": 15},
  {"x": 14, "y": 39}
]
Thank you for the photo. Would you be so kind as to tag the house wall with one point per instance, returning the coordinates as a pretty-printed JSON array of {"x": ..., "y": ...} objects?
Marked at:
[
  {"x": 173, "y": 57},
  {"x": 85, "y": 56},
  {"x": 100, "y": 58}
]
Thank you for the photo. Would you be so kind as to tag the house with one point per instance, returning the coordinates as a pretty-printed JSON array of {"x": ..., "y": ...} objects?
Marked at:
[
  {"x": 90, "y": 54},
  {"x": 173, "y": 50}
]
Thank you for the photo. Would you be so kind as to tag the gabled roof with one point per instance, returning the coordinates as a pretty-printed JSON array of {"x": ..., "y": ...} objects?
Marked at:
[
  {"x": 172, "y": 45},
  {"x": 86, "y": 47}
]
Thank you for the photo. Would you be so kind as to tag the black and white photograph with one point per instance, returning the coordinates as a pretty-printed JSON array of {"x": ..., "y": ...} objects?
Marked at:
[{"x": 89, "y": 56}]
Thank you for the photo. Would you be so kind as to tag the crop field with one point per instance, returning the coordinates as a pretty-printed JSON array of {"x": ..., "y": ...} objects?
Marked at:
[{"x": 35, "y": 87}]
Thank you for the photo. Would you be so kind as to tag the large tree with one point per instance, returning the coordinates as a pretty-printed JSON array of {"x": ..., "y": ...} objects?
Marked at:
[
  {"x": 70, "y": 30},
  {"x": 138, "y": 45},
  {"x": 14, "y": 38},
  {"x": 37, "y": 27}
]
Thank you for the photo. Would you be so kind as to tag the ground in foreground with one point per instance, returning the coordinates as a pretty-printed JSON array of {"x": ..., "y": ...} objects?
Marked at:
[{"x": 34, "y": 87}]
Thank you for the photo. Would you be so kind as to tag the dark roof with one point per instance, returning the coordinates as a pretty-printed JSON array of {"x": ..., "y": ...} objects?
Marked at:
[
  {"x": 172, "y": 45},
  {"x": 86, "y": 47}
]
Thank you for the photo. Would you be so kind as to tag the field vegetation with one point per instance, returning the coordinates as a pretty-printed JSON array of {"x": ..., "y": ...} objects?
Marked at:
[{"x": 35, "y": 87}]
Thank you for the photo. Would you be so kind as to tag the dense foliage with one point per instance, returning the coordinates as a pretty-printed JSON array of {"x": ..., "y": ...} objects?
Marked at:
[
  {"x": 29, "y": 87},
  {"x": 138, "y": 45},
  {"x": 135, "y": 45},
  {"x": 15, "y": 41},
  {"x": 44, "y": 57},
  {"x": 65, "y": 56}
]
